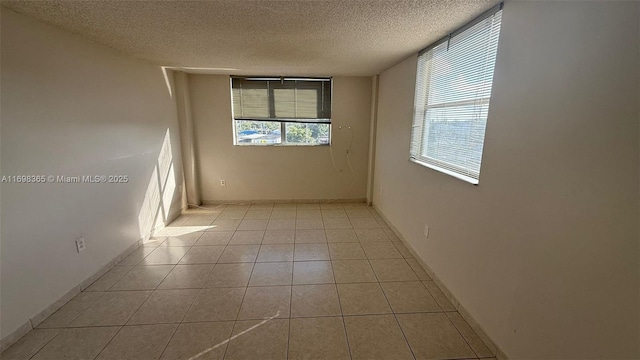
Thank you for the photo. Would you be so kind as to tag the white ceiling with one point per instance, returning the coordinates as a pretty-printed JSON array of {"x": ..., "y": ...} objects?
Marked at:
[{"x": 278, "y": 37}]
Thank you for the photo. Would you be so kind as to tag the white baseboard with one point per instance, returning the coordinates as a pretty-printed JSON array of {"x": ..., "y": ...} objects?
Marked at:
[
  {"x": 30, "y": 324},
  {"x": 495, "y": 350},
  {"x": 283, "y": 201}
]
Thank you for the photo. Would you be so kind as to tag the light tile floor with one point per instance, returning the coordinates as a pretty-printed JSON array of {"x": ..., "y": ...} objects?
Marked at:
[{"x": 283, "y": 281}]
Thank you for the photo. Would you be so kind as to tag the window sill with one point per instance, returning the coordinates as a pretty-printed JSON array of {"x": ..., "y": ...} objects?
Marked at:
[
  {"x": 281, "y": 145},
  {"x": 445, "y": 171}
]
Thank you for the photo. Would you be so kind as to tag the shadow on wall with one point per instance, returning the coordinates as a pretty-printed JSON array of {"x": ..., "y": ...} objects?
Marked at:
[{"x": 156, "y": 206}]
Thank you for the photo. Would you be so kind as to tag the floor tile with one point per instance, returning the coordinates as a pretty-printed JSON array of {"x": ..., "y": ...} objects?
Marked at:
[
  {"x": 257, "y": 215},
  {"x": 238, "y": 207},
  {"x": 266, "y": 302},
  {"x": 71, "y": 310},
  {"x": 187, "y": 239},
  {"x": 477, "y": 345},
  {"x": 281, "y": 224},
  {"x": 202, "y": 255},
  {"x": 334, "y": 214},
  {"x": 376, "y": 337},
  {"x": 273, "y": 273},
  {"x": 261, "y": 206},
  {"x": 417, "y": 268},
  {"x": 199, "y": 220},
  {"x": 341, "y": 235},
  {"x": 231, "y": 215},
  {"x": 136, "y": 256},
  {"x": 29, "y": 344},
  {"x": 331, "y": 206},
  {"x": 381, "y": 250},
  {"x": 284, "y": 206},
  {"x": 393, "y": 270},
  {"x": 403, "y": 250},
  {"x": 164, "y": 306},
  {"x": 283, "y": 214},
  {"x": 215, "y": 305},
  {"x": 305, "y": 252},
  {"x": 362, "y": 299},
  {"x": 309, "y": 214},
  {"x": 409, "y": 297},
  {"x": 139, "y": 342},
  {"x": 239, "y": 253},
  {"x": 253, "y": 225},
  {"x": 202, "y": 341},
  {"x": 275, "y": 252},
  {"x": 358, "y": 213},
  {"x": 309, "y": 206},
  {"x": 112, "y": 308},
  {"x": 365, "y": 235},
  {"x": 312, "y": 272},
  {"x": 315, "y": 300},
  {"x": 391, "y": 235},
  {"x": 285, "y": 236},
  {"x": 346, "y": 251},
  {"x": 310, "y": 237},
  {"x": 187, "y": 277},
  {"x": 224, "y": 225},
  {"x": 318, "y": 338},
  {"x": 337, "y": 223},
  {"x": 165, "y": 255},
  {"x": 433, "y": 336},
  {"x": 247, "y": 237},
  {"x": 144, "y": 277},
  {"x": 309, "y": 224},
  {"x": 259, "y": 339},
  {"x": 353, "y": 271},
  {"x": 439, "y": 296},
  {"x": 80, "y": 344},
  {"x": 110, "y": 278},
  {"x": 210, "y": 238},
  {"x": 229, "y": 275}
]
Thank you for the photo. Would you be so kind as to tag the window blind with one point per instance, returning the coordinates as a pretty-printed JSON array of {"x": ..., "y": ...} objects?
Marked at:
[
  {"x": 453, "y": 90},
  {"x": 282, "y": 99}
]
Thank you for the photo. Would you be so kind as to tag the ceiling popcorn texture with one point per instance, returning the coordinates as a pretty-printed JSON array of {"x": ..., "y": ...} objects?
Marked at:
[{"x": 332, "y": 37}]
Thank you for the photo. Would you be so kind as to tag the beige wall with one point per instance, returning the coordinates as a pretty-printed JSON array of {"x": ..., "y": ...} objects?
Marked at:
[
  {"x": 71, "y": 107},
  {"x": 279, "y": 172},
  {"x": 544, "y": 252}
]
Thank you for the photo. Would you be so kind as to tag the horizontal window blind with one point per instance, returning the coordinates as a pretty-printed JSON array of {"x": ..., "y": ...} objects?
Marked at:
[
  {"x": 453, "y": 90},
  {"x": 282, "y": 99}
]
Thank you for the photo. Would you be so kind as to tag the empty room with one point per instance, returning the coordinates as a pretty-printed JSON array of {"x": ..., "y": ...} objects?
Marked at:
[{"x": 330, "y": 179}]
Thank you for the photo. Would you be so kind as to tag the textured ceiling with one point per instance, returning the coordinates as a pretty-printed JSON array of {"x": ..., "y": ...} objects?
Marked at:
[{"x": 282, "y": 37}]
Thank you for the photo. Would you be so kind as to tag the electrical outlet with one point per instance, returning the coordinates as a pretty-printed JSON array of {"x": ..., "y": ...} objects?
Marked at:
[
  {"x": 223, "y": 182},
  {"x": 426, "y": 231},
  {"x": 80, "y": 245}
]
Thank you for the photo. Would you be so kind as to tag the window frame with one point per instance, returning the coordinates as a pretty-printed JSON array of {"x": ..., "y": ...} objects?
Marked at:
[
  {"x": 283, "y": 121},
  {"x": 420, "y": 122}
]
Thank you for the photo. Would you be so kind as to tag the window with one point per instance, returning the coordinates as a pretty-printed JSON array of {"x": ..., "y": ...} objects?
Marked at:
[
  {"x": 453, "y": 89},
  {"x": 284, "y": 111}
]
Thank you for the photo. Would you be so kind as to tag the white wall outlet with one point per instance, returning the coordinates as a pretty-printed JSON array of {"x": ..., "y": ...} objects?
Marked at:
[
  {"x": 426, "y": 231},
  {"x": 80, "y": 245},
  {"x": 223, "y": 182}
]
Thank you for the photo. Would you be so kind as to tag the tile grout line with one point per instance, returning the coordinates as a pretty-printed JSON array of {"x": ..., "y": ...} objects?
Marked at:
[
  {"x": 392, "y": 311},
  {"x": 109, "y": 342},
  {"x": 344, "y": 324},
  {"x": 326, "y": 243},
  {"x": 290, "y": 306}
]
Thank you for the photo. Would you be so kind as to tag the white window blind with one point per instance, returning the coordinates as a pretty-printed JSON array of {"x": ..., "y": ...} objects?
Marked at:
[
  {"x": 453, "y": 89},
  {"x": 281, "y": 110},
  {"x": 282, "y": 99}
]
